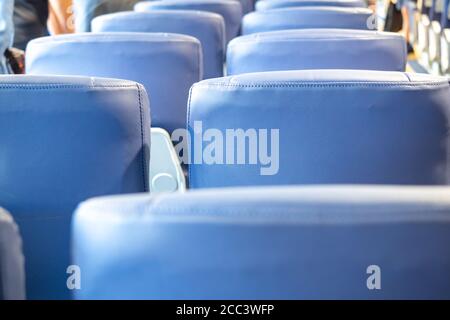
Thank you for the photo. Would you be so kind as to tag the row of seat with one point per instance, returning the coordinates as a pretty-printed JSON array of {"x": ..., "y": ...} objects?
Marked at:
[
  {"x": 70, "y": 138},
  {"x": 162, "y": 61},
  {"x": 430, "y": 33}
]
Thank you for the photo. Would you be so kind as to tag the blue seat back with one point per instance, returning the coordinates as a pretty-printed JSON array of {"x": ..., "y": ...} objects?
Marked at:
[
  {"x": 231, "y": 11},
  {"x": 316, "y": 49},
  {"x": 63, "y": 140},
  {"x": 166, "y": 64},
  {"x": 274, "y": 4},
  {"x": 319, "y": 126},
  {"x": 267, "y": 243},
  {"x": 207, "y": 27},
  {"x": 307, "y": 17}
]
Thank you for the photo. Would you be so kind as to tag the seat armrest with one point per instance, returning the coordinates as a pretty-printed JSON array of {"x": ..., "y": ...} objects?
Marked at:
[
  {"x": 436, "y": 27},
  {"x": 434, "y": 34},
  {"x": 166, "y": 174},
  {"x": 445, "y": 51},
  {"x": 423, "y": 27},
  {"x": 446, "y": 34}
]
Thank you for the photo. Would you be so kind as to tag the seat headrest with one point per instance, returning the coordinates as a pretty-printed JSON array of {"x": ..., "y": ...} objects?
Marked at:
[
  {"x": 231, "y": 11},
  {"x": 208, "y": 27},
  {"x": 307, "y": 17},
  {"x": 274, "y": 4},
  {"x": 317, "y": 49},
  {"x": 154, "y": 59},
  {"x": 319, "y": 126}
]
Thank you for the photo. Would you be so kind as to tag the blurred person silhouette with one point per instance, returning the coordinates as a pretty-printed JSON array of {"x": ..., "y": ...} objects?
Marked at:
[{"x": 30, "y": 21}]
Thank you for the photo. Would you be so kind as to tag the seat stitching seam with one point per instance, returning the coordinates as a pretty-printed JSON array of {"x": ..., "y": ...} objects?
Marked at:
[
  {"x": 50, "y": 86},
  {"x": 144, "y": 168},
  {"x": 188, "y": 125},
  {"x": 324, "y": 85}
]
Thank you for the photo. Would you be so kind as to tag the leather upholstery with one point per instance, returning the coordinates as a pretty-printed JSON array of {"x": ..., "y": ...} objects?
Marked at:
[
  {"x": 231, "y": 11},
  {"x": 317, "y": 49},
  {"x": 320, "y": 127},
  {"x": 166, "y": 64},
  {"x": 306, "y": 17},
  {"x": 267, "y": 243},
  {"x": 12, "y": 264},
  {"x": 207, "y": 27},
  {"x": 63, "y": 140},
  {"x": 274, "y": 4}
]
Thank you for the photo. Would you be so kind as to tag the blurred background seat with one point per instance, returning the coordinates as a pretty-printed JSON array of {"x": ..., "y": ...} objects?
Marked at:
[
  {"x": 424, "y": 25},
  {"x": 166, "y": 64},
  {"x": 306, "y": 17},
  {"x": 207, "y": 27},
  {"x": 435, "y": 31},
  {"x": 316, "y": 49},
  {"x": 445, "y": 39},
  {"x": 274, "y": 4},
  {"x": 231, "y": 11}
]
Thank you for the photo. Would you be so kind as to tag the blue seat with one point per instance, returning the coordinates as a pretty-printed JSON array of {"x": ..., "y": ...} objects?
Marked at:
[
  {"x": 423, "y": 27},
  {"x": 413, "y": 12},
  {"x": 445, "y": 39},
  {"x": 435, "y": 31},
  {"x": 166, "y": 64},
  {"x": 12, "y": 263},
  {"x": 63, "y": 140},
  {"x": 231, "y": 11},
  {"x": 306, "y": 17},
  {"x": 319, "y": 127},
  {"x": 207, "y": 27},
  {"x": 316, "y": 49},
  {"x": 275, "y": 4},
  {"x": 340, "y": 242}
]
